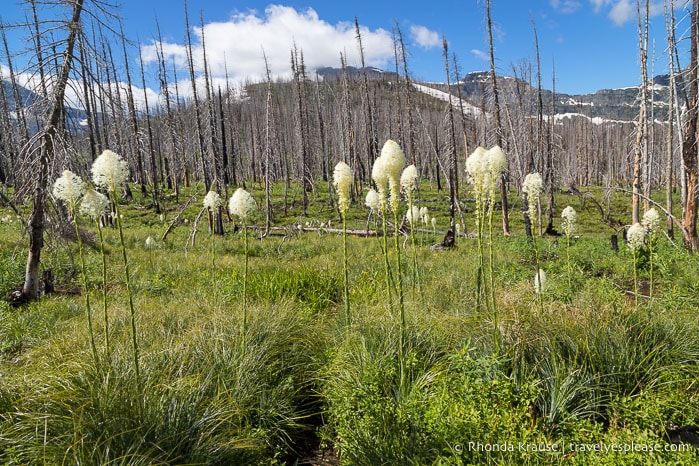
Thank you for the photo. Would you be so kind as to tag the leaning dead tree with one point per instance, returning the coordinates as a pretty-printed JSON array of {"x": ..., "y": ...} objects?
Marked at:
[{"x": 44, "y": 143}]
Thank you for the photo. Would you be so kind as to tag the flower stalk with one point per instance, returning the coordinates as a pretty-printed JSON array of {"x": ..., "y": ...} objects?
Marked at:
[
  {"x": 70, "y": 189},
  {"x": 241, "y": 205},
  {"x": 109, "y": 171},
  {"x": 343, "y": 179}
]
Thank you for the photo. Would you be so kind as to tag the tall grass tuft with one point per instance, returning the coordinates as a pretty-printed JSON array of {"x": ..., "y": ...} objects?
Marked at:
[{"x": 205, "y": 401}]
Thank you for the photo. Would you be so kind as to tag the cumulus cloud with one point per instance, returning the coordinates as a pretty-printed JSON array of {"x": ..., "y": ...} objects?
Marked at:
[
  {"x": 424, "y": 37},
  {"x": 240, "y": 45}
]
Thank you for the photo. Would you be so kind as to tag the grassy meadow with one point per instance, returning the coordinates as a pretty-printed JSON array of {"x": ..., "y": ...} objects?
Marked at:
[{"x": 592, "y": 362}]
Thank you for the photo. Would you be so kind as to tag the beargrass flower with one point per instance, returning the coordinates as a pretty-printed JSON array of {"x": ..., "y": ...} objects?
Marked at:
[
  {"x": 241, "y": 204},
  {"x": 94, "y": 204},
  {"x": 342, "y": 179},
  {"x": 532, "y": 186},
  {"x": 569, "y": 224},
  {"x": 109, "y": 170},
  {"x": 497, "y": 162},
  {"x": 372, "y": 200},
  {"x": 212, "y": 201},
  {"x": 394, "y": 159},
  {"x": 380, "y": 177},
  {"x": 393, "y": 162},
  {"x": 477, "y": 167},
  {"x": 412, "y": 215},
  {"x": 408, "y": 178},
  {"x": 69, "y": 188},
  {"x": 150, "y": 242},
  {"x": 651, "y": 221},
  {"x": 434, "y": 225},
  {"x": 635, "y": 236}
]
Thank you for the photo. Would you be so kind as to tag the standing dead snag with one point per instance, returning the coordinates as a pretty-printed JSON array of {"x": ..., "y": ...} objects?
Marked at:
[
  {"x": 689, "y": 141},
  {"x": 498, "y": 123}
]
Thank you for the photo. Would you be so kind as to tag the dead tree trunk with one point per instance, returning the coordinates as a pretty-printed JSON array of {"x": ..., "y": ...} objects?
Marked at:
[
  {"x": 689, "y": 142},
  {"x": 640, "y": 157},
  {"x": 498, "y": 123},
  {"x": 670, "y": 147},
  {"x": 46, "y": 137},
  {"x": 197, "y": 104},
  {"x": 372, "y": 139}
]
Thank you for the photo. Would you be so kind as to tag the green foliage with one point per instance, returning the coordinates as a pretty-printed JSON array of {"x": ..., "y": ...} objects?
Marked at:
[{"x": 316, "y": 290}]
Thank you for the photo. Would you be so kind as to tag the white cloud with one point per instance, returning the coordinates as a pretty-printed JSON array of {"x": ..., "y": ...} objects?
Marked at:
[
  {"x": 565, "y": 6},
  {"x": 623, "y": 11},
  {"x": 241, "y": 43},
  {"x": 481, "y": 55},
  {"x": 424, "y": 37}
]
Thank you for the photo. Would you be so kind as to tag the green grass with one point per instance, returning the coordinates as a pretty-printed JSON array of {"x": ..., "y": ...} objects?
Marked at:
[{"x": 584, "y": 368}]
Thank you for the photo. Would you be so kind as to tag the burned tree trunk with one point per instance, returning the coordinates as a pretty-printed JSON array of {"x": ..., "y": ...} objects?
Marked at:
[{"x": 689, "y": 142}]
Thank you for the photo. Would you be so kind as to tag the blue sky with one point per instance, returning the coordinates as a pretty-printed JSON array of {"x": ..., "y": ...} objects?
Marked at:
[{"x": 591, "y": 44}]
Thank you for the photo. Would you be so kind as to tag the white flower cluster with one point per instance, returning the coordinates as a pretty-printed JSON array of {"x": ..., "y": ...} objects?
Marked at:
[
  {"x": 69, "y": 188},
  {"x": 94, "y": 204},
  {"x": 109, "y": 170},
  {"x": 386, "y": 173},
  {"x": 342, "y": 179},
  {"x": 372, "y": 200},
  {"x": 570, "y": 219},
  {"x": 212, "y": 201},
  {"x": 408, "y": 178},
  {"x": 651, "y": 222},
  {"x": 635, "y": 236},
  {"x": 532, "y": 186},
  {"x": 485, "y": 167},
  {"x": 413, "y": 215},
  {"x": 241, "y": 204}
]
